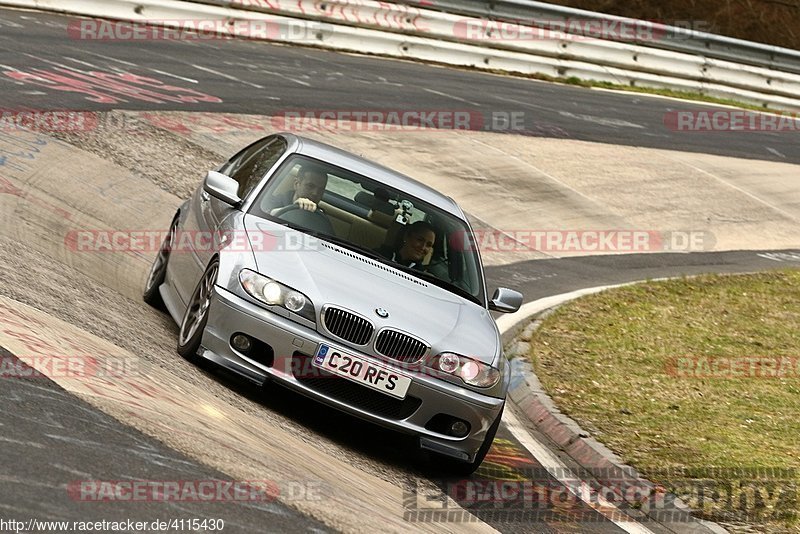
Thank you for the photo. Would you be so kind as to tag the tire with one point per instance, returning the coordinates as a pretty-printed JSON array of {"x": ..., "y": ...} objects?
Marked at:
[
  {"x": 452, "y": 467},
  {"x": 196, "y": 315},
  {"x": 158, "y": 270}
]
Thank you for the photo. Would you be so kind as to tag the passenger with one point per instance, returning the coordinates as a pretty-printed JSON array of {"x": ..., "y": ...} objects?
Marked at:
[{"x": 417, "y": 242}]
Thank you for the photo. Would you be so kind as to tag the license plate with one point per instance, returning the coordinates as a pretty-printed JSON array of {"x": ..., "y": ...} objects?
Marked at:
[{"x": 362, "y": 371}]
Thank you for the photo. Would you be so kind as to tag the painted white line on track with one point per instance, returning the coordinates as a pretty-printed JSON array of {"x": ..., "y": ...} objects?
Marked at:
[
  {"x": 67, "y": 67},
  {"x": 384, "y": 81},
  {"x": 232, "y": 78},
  {"x": 603, "y": 121},
  {"x": 5, "y": 480},
  {"x": 109, "y": 58},
  {"x": 190, "y": 80},
  {"x": 523, "y": 103},
  {"x": 537, "y": 169},
  {"x": 33, "y": 444},
  {"x": 780, "y": 256},
  {"x": 737, "y": 188},
  {"x": 251, "y": 67},
  {"x": 10, "y": 24},
  {"x": 773, "y": 151},
  {"x": 82, "y": 62},
  {"x": 61, "y": 65},
  {"x": 568, "y": 479},
  {"x": 285, "y": 77},
  {"x": 68, "y": 469},
  {"x": 454, "y": 97}
]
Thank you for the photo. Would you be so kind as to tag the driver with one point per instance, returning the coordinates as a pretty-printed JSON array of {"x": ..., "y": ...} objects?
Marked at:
[{"x": 309, "y": 185}]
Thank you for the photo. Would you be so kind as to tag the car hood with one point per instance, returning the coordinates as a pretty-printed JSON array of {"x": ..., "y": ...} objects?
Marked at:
[{"x": 330, "y": 274}]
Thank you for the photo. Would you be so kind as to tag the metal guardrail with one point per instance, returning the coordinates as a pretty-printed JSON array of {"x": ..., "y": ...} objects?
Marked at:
[
  {"x": 673, "y": 38},
  {"x": 406, "y": 31},
  {"x": 623, "y": 61}
]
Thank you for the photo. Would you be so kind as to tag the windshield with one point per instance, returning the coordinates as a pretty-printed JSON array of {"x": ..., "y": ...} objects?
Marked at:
[{"x": 383, "y": 223}]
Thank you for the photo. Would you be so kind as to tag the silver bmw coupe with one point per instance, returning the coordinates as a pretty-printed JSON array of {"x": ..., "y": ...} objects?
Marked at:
[{"x": 357, "y": 286}]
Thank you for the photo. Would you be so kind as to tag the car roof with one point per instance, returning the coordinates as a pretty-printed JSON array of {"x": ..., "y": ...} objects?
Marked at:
[{"x": 341, "y": 158}]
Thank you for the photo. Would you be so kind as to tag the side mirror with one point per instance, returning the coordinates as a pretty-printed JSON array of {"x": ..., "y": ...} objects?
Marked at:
[
  {"x": 505, "y": 300},
  {"x": 222, "y": 187}
]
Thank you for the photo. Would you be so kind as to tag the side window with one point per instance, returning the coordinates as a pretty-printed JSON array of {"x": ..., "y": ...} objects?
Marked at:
[
  {"x": 250, "y": 165},
  {"x": 345, "y": 188}
]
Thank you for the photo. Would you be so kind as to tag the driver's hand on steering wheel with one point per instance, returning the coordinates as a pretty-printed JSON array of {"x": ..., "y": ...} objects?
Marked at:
[{"x": 306, "y": 204}]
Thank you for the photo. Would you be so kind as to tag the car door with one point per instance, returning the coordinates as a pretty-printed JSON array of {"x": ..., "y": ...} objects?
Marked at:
[{"x": 205, "y": 221}]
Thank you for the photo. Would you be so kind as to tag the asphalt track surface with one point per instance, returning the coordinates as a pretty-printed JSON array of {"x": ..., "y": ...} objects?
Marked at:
[
  {"x": 50, "y": 438},
  {"x": 258, "y": 78}
]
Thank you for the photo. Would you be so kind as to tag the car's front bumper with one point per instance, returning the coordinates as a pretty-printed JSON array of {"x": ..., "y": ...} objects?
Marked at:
[{"x": 292, "y": 343}]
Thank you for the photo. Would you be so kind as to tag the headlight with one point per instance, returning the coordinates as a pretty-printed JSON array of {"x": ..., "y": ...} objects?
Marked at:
[
  {"x": 449, "y": 363},
  {"x": 295, "y": 301},
  {"x": 274, "y": 293},
  {"x": 471, "y": 371}
]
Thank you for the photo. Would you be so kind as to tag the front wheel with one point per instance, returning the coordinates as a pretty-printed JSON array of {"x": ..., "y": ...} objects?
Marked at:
[
  {"x": 196, "y": 315},
  {"x": 158, "y": 271},
  {"x": 453, "y": 467}
]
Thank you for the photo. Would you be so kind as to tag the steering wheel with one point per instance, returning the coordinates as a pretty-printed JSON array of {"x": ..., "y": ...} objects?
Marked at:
[
  {"x": 313, "y": 220},
  {"x": 281, "y": 211}
]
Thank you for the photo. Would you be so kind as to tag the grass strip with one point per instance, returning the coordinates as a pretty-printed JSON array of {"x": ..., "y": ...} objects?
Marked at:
[{"x": 694, "y": 381}]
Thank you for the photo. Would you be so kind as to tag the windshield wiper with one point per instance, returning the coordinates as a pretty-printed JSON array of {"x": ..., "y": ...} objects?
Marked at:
[{"x": 348, "y": 245}]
